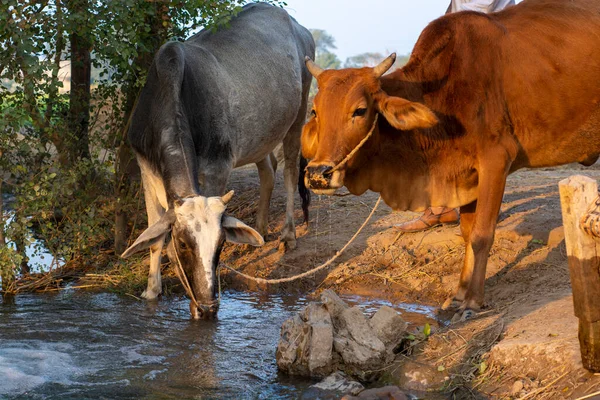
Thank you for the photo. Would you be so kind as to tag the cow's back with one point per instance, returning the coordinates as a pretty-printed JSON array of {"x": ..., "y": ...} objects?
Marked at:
[
  {"x": 224, "y": 97},
  {"x": 260, "y": 64}
]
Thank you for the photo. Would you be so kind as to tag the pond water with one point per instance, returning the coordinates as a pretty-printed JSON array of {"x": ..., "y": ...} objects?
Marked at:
[{"x": 77, "y": 345}]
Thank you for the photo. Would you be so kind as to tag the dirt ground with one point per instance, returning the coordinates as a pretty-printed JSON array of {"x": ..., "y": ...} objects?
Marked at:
[{"x": 536, "y": 352}]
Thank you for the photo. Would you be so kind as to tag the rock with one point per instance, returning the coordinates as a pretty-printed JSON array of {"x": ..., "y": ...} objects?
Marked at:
[
  {"x": 334, "y": 305},
  {"x": 354, "y": 321},
  {"x": 318, "y": 355},
  {"x": 384, "y": 393},
  {"x": 517, "y": 387},
  {"x": 287, "y": 349},
  {"x": 306, "y": 343},
  {"x": 333, "y": 387},
  {"x": 361, "y": 351},
  {"x": 389, "y": 327},
  {"x": 328, "y": 336}
]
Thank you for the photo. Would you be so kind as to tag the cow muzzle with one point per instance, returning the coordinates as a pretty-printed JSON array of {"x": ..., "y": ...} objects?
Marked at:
[
  {"x": 321, "y": 178},
  {"x": 204, "y": 311}
]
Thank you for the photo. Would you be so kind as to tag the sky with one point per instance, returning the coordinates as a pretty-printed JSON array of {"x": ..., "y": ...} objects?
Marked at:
[{"x": 360, "y": 26}]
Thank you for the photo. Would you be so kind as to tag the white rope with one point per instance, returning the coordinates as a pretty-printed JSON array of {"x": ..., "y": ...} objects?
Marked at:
[
  {"x": 358, "y": 146},
  {"x": 312, "y": 271},
  {"x": 183, "y": 279}
]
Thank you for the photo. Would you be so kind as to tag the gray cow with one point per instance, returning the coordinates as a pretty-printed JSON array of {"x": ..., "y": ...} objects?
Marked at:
[{"x": 218, "y": 101}]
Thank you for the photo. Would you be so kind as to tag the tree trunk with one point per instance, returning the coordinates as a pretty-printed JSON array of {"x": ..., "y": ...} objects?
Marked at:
[
  {"x": 22, "y": 250},
  {"x": 125, "y": 163},
  {"x": 2, "y": 238},
  {"x": 7, "y": 275},
  {"x": 81, "y": 66}
]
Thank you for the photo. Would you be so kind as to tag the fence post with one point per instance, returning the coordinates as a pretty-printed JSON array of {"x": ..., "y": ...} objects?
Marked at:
[{"x": 577, "y": 194}]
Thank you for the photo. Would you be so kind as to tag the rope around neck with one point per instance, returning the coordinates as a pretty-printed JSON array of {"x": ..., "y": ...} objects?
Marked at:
[
  {"x": 358, "y": 146},
  {"x": 186, "y": 284},
  {"x": 312, "y": 271},
  {"x": 183, "y": 279}
]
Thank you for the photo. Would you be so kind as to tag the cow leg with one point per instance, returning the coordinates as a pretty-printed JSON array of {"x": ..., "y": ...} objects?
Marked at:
[
  {"x": 481, "y": 236},
  {"x": 291, "y": 149},
  {"x": 155, "y": 211},
  {"x": 266, "y": 174},
  {"x": 273, "y": 159},
  {"x": 467, "y": 218}
]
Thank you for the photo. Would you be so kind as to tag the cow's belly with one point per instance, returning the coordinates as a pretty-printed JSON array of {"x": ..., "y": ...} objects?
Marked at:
[
  {"x": 265, "y": 114},
  {"x": 255, "y": 152},
  {"x": 546, "y": 149}
]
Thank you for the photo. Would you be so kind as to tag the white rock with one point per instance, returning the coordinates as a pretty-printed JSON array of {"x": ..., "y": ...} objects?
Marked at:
[{"x": 389, "y": 326}]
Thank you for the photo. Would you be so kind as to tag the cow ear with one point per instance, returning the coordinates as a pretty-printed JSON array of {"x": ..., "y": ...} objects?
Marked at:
[
  {"x": 405, "y": 115},
  {"x": 238, "y": 232},
  {"x": 309, "y": 141},
  {"x": 152, "y": 234}
]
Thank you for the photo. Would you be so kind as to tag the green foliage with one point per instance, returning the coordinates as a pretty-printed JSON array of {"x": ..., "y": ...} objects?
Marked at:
[
  {"x": 364, "y": 60},
  {"x": 324, "y": 58},
  {"x": 324, "y": 42},
  {"x": 68, "y": 203}
]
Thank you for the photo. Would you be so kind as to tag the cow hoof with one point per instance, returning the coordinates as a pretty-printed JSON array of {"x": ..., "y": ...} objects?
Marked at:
[
  {"x": 451, "y": 304},
  {"x": 463, "y": 316},
  {"x": 150, "y": 295},
  {"x": 285, "y": 246}
]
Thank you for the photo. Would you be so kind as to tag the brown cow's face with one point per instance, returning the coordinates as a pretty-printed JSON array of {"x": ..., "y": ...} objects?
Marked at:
[{"x": 343, "y": 115}]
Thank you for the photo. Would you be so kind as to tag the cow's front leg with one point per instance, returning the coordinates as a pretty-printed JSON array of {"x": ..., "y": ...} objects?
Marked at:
[
  {"x": 266, "y": 174},
  {"x": 154, "y": 288},
  {"x": 467, "y": 218},
  {"x": 479, "y": 231},
  {"x": 155, "y": 211}
]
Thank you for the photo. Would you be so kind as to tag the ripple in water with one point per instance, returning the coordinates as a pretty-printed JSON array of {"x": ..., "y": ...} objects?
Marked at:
[{"x": 82, "y": 345}]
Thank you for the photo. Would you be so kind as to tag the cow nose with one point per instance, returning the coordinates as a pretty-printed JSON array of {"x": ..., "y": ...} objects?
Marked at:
[
  {"x": 204, "y": 311},
  {"x": 320, "y": 170}
]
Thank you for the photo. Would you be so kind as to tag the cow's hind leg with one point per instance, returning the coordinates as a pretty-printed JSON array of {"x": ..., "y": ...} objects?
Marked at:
[
  {"x": 291, "y": 149},
  {"x": 266, "y": 173}
]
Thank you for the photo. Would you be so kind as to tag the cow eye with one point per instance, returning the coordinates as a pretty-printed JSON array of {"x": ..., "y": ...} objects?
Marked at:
[
  {"x": 182, "y": 245},
  {"x": 313, "y": 113},
  {"x": 359, "y": 112}
]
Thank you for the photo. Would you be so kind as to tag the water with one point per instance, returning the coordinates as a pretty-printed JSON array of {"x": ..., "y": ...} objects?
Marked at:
[
  {"x": 77, "y": 345},
  {"x": 40, "y": 258}
]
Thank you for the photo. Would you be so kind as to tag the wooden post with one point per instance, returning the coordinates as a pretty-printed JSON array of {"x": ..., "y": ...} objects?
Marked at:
[{"x": 577, "y": 193}]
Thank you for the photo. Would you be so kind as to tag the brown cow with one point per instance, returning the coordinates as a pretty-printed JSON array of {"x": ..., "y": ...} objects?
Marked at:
[{"x": 481, "y": 96}]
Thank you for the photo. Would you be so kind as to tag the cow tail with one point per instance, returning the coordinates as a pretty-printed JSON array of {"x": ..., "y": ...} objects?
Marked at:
[{"x": 302, "y": 189}]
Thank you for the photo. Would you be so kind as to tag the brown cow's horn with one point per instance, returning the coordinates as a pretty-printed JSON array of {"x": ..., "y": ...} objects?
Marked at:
[
  {"x": 227, "y": 197},
  {"x": 313, "y": 68},
  {"x": 384, "y": 65}
]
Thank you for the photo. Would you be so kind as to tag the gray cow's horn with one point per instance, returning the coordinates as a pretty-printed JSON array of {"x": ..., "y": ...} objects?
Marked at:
[
  {"x": 313, "y": 68},
  {"x": 227, "y": 197},
  {"x": 384, "y": 65}
]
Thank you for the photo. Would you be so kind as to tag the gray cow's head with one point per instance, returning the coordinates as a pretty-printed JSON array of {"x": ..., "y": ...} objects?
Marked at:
[{"x": 199, "y": 228}]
